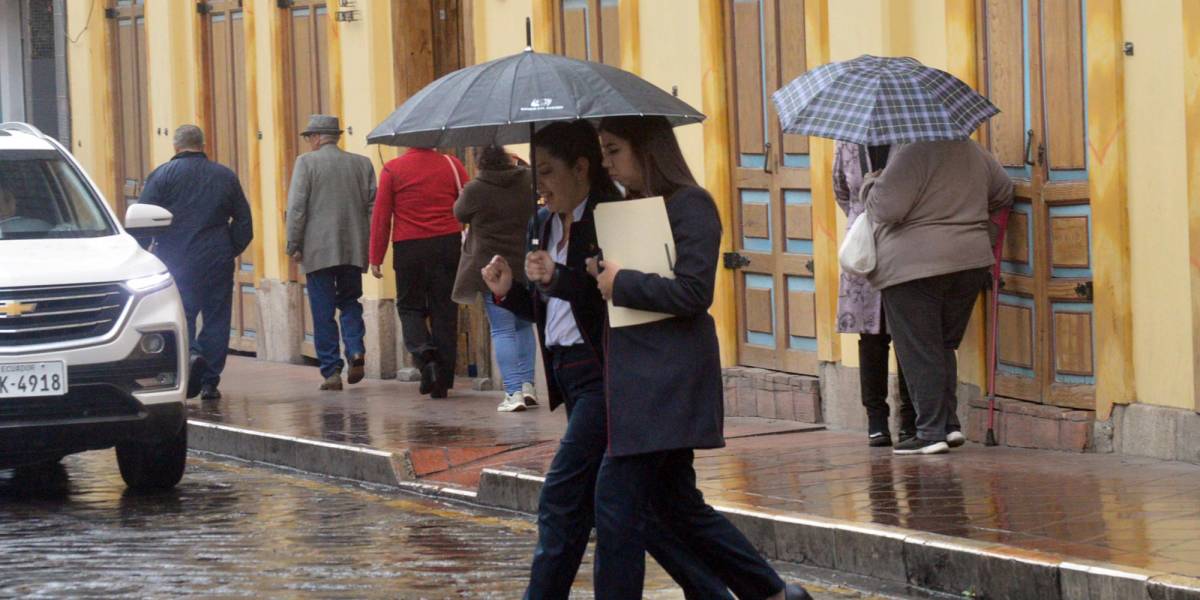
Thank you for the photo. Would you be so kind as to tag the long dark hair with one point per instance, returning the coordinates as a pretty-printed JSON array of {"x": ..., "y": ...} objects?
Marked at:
[
  {"x": 664, "y": 170},
  {"x": 570, "y": 141}
]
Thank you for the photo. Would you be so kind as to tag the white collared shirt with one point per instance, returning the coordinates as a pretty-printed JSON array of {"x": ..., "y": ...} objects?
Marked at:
[{"x": 561, "y": 328}]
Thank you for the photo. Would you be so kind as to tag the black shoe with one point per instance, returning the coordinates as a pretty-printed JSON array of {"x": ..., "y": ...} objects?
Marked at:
[
  {"x": 906, "y": 434},
  {"x": 792, "y": 591},
  {"x": 879, "y": 439},
  {"x": 357, "y": 369},
  {"x": 429, "y": 378},
  {"x": 209, "y": 391},
  {"x": 917, "y": 445}
]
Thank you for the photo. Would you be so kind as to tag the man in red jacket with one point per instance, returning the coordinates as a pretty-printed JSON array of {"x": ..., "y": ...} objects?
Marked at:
[{"x": 414, "y": 209}]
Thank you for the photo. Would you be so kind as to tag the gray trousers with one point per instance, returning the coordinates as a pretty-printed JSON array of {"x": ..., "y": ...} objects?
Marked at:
[{"x": 927, "y": 319}]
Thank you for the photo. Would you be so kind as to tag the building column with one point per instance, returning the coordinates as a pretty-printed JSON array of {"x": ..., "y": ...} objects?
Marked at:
[
  {"x": 1191, "y": 89},
  {"x": 824, "y": 209},
  {"x": 1110, "y": 236},
  {"x": 12, "y": 71}
]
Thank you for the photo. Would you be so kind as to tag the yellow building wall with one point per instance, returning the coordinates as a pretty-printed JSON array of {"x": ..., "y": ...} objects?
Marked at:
[
  {"x": 88, "y": 71},
  {"x": 1158, "y": 211},
  {"x": 671, "y": 51}
]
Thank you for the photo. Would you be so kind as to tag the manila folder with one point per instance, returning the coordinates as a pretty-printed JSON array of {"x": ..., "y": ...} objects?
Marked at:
[{"x": 636, "y": 234}]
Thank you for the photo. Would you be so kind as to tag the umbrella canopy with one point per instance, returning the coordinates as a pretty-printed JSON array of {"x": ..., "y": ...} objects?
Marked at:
[
  {"x": 873, "y": 100},
  {"x": 500, "y": 102}
]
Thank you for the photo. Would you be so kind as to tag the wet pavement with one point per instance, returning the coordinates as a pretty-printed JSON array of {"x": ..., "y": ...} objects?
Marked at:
[
  {"x": 230, "y": 530},
  {"x": 1129, "y": 511}
]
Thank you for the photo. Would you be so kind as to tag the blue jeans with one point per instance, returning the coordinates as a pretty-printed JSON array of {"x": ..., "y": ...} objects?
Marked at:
[
  {"x": 336, "y": 288},
  {"x": 208, "y": 295},
  {"x": 513, "y": 339}
]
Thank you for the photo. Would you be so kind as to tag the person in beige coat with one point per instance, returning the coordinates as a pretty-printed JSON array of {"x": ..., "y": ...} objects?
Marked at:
[
  {"x": 328, "y": 228},
  {"x": 496, "y": 207},
  {"x": 931, "y": 207}
]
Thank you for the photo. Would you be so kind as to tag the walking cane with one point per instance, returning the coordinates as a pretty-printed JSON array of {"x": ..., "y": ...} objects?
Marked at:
[{"x": 1001, "y": 221}]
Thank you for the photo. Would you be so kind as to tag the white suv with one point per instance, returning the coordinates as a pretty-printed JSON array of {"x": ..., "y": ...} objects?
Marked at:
[{"x": 93, "y": 350}]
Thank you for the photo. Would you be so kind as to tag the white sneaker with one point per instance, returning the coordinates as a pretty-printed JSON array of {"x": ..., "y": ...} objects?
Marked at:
[
  {"x": 955, "y": 439},
  {"x": 529, "y": 393},
  {"x": 512, "y": 403}
]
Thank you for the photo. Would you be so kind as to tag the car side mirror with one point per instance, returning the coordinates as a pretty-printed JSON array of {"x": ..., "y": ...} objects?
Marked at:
[{"x": 145, "y": 221}]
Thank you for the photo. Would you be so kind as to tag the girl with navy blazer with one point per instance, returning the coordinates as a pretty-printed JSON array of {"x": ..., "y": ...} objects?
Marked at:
[
  {"x": 663, "y": 383},
  {"x": 570, "y": 314}
]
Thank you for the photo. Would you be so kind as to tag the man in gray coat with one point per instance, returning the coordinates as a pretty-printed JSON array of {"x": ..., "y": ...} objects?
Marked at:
[{"x": 328, "y": 228}]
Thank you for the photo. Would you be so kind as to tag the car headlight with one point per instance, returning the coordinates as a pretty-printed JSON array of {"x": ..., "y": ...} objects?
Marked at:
[{"x": 149, "y": 283}]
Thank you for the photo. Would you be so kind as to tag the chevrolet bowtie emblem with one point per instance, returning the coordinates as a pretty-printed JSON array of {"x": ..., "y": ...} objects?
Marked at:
[{"x": 15, "y": 309}]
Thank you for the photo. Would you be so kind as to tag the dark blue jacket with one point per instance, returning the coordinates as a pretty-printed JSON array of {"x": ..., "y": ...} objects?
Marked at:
[{"x": 212, "y": 223}]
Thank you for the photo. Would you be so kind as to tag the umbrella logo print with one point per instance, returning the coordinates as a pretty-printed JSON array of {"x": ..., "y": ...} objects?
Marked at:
[{"x": 539, "y": 104}]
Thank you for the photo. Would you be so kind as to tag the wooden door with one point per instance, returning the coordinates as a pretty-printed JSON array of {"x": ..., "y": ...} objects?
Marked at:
[
  {"x": 307, "y": 26},
  {"x": 228, "y": 139},
  {"x": 590, "y": 30},
  {"x": 1033, "y": 69},
  {"x": 771, "y": 190},
  {"x": 131, "y": 99}
]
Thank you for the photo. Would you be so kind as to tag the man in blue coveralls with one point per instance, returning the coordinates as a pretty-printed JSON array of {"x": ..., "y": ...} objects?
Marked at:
[{"x": 211, "y": 227}]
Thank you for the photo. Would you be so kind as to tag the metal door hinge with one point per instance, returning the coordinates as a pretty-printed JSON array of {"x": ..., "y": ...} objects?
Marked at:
[
  {"x": 809, "y": 266},
  {"x": 733, "y": 260}
]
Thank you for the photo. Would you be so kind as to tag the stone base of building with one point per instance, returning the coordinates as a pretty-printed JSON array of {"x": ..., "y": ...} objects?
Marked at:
[
  {"x": 280, "y": 321},
  {"x": 841, "y": 396},
  {"x": 1157, "y": 432},
  {"x": 751, "y": 392},
  {"x": 381, "y": 338},
  {"x": 1021, "y": 424}
]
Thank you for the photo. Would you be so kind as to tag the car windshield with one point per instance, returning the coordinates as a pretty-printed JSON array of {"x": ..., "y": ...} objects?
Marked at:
[{"x": 43, "y": 196}]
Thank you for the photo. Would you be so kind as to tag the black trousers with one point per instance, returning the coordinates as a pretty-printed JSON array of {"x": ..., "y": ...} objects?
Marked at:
[
  {"x": 664, "y": 484},
  {"x": 565, "y": 509},
  {"x": 425, "y": 271},
  {"x": 208, "y": 294},
  {"x": 927, "y": 319},
  {"x": 873, "y": 350}
]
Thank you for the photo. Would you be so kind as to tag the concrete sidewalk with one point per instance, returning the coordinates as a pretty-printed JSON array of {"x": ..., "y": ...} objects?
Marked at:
[{"x": 994, "y": 522}]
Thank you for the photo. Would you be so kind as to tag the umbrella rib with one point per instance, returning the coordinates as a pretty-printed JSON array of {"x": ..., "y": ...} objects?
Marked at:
[{"x": 477, "y": 75}]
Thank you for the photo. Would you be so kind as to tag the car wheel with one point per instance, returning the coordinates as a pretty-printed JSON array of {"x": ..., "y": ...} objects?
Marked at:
[{"x": 153, "y": 466}]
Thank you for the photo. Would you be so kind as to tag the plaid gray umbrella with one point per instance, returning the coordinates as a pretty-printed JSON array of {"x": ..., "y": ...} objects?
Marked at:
[{"x": 875, "y": 100}]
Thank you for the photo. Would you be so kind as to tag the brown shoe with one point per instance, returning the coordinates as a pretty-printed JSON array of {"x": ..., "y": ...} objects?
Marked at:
[
  {"x": 333, "y": 383},
  {"x": 357, "y": 369}
]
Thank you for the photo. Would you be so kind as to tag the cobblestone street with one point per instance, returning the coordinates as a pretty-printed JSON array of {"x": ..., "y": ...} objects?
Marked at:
[{"x": 231, "y": 530}]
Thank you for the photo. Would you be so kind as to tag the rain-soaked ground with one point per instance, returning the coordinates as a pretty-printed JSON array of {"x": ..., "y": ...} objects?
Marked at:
[{"x": 232, "y": 530}]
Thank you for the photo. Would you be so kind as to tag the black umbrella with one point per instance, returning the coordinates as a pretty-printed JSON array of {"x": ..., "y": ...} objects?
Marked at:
[{"x": 503, "y": 101}]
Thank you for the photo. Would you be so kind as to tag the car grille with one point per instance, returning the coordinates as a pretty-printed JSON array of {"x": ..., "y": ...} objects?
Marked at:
[
  {"x": 82, "y": 402},
  {"x": 46, "y": 315}
]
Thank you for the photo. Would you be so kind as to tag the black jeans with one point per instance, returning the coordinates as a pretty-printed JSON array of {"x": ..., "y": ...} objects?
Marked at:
[
  {"x": 565, "y": 510},
  {"x": 425, "y": 271},
  {"x": 873, "y": 350},
  {"x": 664, "y": 484},
  {"x": 927, "y": 318}
]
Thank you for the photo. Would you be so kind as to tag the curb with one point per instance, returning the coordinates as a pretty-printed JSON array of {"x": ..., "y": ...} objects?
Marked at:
[
  {"x": 930, "y": 561},
  {"x": 324, "y": 458}
]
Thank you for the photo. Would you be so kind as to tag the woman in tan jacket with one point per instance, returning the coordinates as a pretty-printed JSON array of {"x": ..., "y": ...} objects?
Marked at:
[{"x": 931, "y": 208}]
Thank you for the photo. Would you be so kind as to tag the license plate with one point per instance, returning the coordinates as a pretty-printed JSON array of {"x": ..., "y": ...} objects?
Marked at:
[{"x": 22, "y": 380}]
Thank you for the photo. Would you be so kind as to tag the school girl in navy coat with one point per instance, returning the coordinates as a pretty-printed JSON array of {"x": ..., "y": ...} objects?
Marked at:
[
  {"x": 570, "y": 315},
  {"x": 664, "y": 383}
]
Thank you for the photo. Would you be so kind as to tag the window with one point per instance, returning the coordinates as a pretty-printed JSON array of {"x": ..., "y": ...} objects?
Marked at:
[
  {"x": 590, "y": 30},
  {"x": 43, "y": 196}
]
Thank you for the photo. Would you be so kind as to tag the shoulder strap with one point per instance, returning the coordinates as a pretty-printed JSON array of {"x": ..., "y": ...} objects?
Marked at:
[{"x": 454, "y": 169}]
